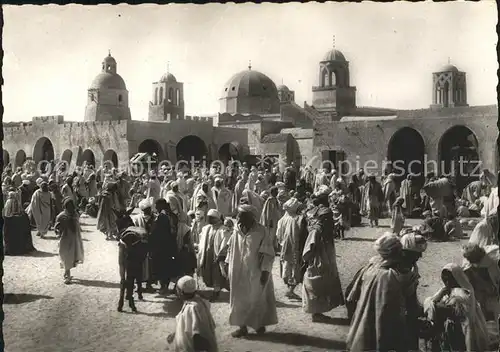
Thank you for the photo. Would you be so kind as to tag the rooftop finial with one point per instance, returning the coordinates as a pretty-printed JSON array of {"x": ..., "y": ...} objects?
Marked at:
[
  {"x": 449, "y": 60},
  {"x": 334, "y": 41},
  {"x": 109, "y": 52},
  {"x": 168, "y": 66},
  {"x": 281, "y": 80},
  {"x": 249, "y": 64}
]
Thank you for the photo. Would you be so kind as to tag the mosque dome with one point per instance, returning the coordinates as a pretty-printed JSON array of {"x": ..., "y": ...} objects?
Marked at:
[
  {"x": 109, "y": 60},
  {"x": 108, "y": 80},
  {"x": 449, "y": 68},
  {"x": 334, "y": 55},
  {"x": 283, "y": 88},
  {"x": 168, "y": 78},
  {"x": 250, "y": 83}
]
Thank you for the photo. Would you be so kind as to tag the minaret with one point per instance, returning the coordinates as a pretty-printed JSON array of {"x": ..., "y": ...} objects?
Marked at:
[
  {"x": 449, "y": 87},
  {"x": 168, "y": 99},
  {"x": 107, "y": 98}
]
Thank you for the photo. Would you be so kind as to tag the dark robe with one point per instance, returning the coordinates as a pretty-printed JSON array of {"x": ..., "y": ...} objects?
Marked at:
[{"x": 163, "y": 248}]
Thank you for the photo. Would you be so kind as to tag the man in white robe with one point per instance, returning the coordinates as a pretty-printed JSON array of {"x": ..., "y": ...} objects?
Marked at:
[
  {"x": 212, "y": 251},
  {"x": 252, "y": 179},
  {"x": 195, "y": 326},
  {"x": 250, "y": 258},
  {"x": 153, "y": 188},
  {"x": 40, "y": 208},
  {"x": 222, "y": 197}
]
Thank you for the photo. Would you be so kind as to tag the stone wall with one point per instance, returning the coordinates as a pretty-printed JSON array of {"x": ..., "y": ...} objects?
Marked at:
[
  {"x": 369, "y": 140},
  {"x": 74, "y": 136}
]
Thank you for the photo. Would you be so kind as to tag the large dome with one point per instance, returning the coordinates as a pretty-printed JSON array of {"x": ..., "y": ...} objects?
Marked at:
[
  {"x": 108, "y": 80},
  {"x": 334, "y": 55},
  {"x": 250, "y": 83}
]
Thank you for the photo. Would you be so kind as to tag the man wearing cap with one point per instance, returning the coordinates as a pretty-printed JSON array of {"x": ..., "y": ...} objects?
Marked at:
[
  {"x": 41, "y": 209},
  {"x": 379, "y": 322},
  {"x": 321, "y": 290},
  {"x": 153, "y": 187},
  {"x": 222, "y": 197},
  {"x": 212, "y": 252},
  {"x": 271, "y": 214},
  {"x": 413, "y": 247},
  {"x": 250, "y": 258},
  {"x": 195, "y": 326},
  {"x": 145, "y": 220}
]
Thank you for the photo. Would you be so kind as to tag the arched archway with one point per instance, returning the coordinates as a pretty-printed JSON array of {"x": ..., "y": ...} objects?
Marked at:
[
  {"x": 6, "y": 158},
  {"x": 151, "y": 146},
  {"x": 229, "y": 151},
  {"x": 191, "y": 147},
  {"x": 405, "y": 152},
  {"x": 111, "y": 156},
  {"x": 43, "y": 150},
  {"x": 160, "y": 98},
  {"x": 66, "y": 156},
  {"x": 459, "y": 155},
  {"x": 20, "y": 158},
  {"x": 87, "y": 158}
]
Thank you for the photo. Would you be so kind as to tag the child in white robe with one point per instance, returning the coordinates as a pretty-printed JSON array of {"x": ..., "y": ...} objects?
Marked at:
[{"x": 195, "y": 326}]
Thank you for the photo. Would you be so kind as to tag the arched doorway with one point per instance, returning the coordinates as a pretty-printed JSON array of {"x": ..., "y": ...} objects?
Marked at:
[
  {"x": 43, "y": 154},
  {"x": 151, "y": 146},
  {"x": 43, "y": 150},
  {"x": 66, "y": 156},
  {"x": 229, "y": 151},
  {"x": 405, "y": 153},
  {"x": 459, "y": 156},
  {"x": 111, "y": 156},
  {"x": 191, "y": 147},
  {"x": 87, "y": 158},
  {"x": 20, "y": 158},
  {"x": 6, "y": 158}
]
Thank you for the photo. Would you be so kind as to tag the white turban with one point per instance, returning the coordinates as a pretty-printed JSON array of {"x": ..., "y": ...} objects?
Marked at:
[
  {"x": 280, "y": 184},
  {"x": 214, "y": 213},
  {"x": 414, "y": 243},
  {"x": 246, "y": 208},
  {"x": 187, "y": 284},
  {"x": 145, "y": 204},
  {"x": 388, "y": 245},
  {"x": 26, "y": 182}
]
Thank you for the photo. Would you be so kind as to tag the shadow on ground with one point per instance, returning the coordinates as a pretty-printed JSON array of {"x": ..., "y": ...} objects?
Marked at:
[
  {"x": 95, "y": 283},
  {"x": 41, "y": 254},
  {"x": 298, "y": 339},
  {"x": 19, "y": 298},
  {"x": 359, "y": 239},
  {"x": 287, "y": 305},
  {"x": 172, "y": 307}
]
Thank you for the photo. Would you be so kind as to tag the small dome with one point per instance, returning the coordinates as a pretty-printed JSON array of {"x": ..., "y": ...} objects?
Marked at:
[
  {"x": 108, "y": 80},
  {"x": 250, "y": 83},
  {"x": 449, "y": 68},
  {"x": 283, "y": 88},
  {"x": 168, "y": 78},
  {"x": 334, "y": 55},
  {"x": 109, "y": 60}
]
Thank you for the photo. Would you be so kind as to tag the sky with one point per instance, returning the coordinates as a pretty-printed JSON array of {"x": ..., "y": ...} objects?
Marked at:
[{"x": 52, "y": 53}]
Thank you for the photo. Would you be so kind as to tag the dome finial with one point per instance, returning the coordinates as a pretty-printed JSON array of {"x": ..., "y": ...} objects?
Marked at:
[
  {"x": 449, "y": 60},
  {"x": 109, "y": 52},
  {"x": 249, "y": 64},
  {"x": 334, "y": 41},
  {"x": 168, "y": 67}
]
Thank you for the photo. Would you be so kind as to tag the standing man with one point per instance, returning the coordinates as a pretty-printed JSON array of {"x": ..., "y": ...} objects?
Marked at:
[
  {"x": 41, "y": 210},
  {"x": 250, "y": 258}
]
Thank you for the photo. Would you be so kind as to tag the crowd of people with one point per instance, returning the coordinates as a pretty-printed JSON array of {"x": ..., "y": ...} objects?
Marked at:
[{"x": 226, "y": 227}]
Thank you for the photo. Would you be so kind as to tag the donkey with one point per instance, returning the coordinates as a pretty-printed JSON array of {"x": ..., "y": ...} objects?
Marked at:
[{"x": 132, "y": 251}]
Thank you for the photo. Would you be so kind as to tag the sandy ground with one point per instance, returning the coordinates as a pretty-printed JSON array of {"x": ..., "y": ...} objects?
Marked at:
[{"x": 43, "y": 314}]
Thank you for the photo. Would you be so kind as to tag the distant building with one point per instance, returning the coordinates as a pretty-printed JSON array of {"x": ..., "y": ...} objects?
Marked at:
[{"x": 257, "y": 119}]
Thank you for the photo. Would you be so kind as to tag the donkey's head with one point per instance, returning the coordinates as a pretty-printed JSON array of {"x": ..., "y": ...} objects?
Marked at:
[{"x": 123, "y": 219}]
